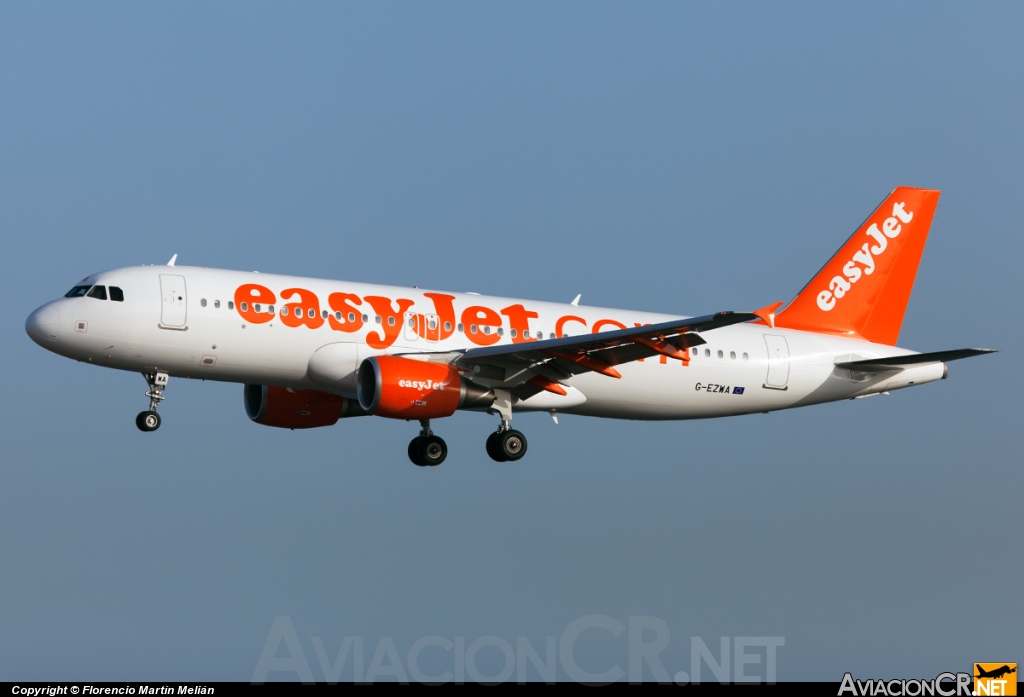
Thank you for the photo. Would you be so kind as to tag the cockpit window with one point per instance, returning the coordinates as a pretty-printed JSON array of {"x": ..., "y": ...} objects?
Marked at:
[
  {"x": 98, "y": 292},
  {"x": 77, "y": 292},
  {"x": 116, "y": 294}
]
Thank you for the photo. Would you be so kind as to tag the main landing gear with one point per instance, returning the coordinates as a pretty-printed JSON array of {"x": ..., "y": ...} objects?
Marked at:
[
  {"x": 150, "y": 420},
  {"x": 426, "y": 449},
  {"x": 506, "y": 444}
]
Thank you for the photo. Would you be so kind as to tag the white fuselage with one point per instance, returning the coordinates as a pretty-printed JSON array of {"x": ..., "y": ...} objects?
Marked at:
[{"x": 187, "y": 322}]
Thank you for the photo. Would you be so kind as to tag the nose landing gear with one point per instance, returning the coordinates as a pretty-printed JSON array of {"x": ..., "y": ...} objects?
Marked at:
[
  {"x": 426, "y": 449},
  {"x": 150, "y": 420}
]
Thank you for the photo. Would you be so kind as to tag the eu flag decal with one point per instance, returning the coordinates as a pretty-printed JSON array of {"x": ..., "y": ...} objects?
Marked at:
[{"x": 737, "y": 390}]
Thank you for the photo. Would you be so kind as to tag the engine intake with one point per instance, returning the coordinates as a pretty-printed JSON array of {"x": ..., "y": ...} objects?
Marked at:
[
  {"x": 402, "y": 388},
  {"x": 286, "y": 407}
]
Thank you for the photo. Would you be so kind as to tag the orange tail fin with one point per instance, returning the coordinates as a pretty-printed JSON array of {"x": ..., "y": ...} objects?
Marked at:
[{"x": 863, "y": 290}]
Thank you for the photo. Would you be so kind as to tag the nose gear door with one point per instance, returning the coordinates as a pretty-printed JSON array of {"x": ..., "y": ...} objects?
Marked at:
[{"x": 173, "y": 301}]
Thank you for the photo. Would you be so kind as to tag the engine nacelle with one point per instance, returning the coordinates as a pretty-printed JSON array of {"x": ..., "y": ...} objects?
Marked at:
[
  {"x": 286, "y": 407},
  {"x": 403, "y": 388}
]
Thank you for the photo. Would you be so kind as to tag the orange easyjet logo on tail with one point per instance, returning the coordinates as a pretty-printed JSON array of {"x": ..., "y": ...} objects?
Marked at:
[
  {"x": 863, "y": 290},
  {"x": 864, "y": 257}
]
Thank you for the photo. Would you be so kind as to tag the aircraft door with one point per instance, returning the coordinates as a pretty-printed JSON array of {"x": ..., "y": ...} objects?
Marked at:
[
  {"x": 174, "y": 301},
  {"x": 410, "y": 326},
  {"x": 778, "y": 362}
]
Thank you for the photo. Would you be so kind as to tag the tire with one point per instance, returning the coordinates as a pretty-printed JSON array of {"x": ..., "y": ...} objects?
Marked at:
[
  {"x": 512, "y": 444},
  {"x": 147, "y": 421},
  {"x": 494, "y": 450},
  {"x": 432, "y": 451},
  {"x": 414, "y": 451}
]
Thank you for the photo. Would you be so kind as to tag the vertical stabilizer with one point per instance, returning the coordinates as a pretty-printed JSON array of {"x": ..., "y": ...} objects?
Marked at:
[{"x": 862, "y": 292}]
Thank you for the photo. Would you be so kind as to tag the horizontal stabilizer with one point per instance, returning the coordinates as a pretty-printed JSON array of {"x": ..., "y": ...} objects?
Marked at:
[{"x": 898, "y": 362}]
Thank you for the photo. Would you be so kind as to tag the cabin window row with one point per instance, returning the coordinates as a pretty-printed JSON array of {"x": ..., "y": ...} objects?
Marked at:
[
  {"x": 720, "y": 353},
  {"x": 473, "y": 329}
]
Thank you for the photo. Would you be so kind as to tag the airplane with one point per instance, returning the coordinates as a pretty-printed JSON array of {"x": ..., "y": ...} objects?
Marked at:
[
  {"x": 994, "y": 673},
  {"x": 310, "y": 351}
]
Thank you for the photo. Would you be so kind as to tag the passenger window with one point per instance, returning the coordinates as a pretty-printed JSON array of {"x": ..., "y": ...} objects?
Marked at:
[
  {"x": 512, "y": 333},
  {"x": 284, "y": 310},
  {"x": 447, "y": 326},
  {"x": 77, "y": 292},
  {"x": 732, "y": 355},
  {"x": 231, "y": 305},
  {"x": 707, "y": 353},
  {"x": 202, "y": 303},
  {"x": 391, "y": 321},
  {"x": 98, "y": 292},
  {"x": 216, "y": 304},
  {"x": 116, "y": 294}
]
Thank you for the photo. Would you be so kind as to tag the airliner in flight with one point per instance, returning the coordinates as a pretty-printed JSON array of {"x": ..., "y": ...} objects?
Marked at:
[{"x": 312, "y": 351}]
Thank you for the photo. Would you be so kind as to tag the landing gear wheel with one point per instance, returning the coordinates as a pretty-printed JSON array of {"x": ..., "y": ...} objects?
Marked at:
[
  {"x": 414, "y": 451},
  {"x": 494, "y": 450},
  {"x": 512, "y": 444},
  {"x": 147, "y": 421},
  {"x": 432, "y": 451}
]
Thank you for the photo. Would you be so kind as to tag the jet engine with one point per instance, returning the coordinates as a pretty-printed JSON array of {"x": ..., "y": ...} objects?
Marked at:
[
  {"x": 286, "y": 407},
  {"x": 403, "y": 388}
]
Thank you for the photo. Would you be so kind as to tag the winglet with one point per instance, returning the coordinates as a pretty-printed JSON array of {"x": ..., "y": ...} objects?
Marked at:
[
  {"x": 767, "y": 314},
  {"x": 576, "y": 300},
  {"x": 173, "y": 259}
]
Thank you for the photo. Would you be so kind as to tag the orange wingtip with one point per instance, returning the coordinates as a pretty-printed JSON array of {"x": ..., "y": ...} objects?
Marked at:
[{"x": 767, "y": 314}]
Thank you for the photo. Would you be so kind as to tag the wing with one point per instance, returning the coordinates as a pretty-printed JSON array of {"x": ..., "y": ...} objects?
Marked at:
[
  {"x": 532, "y": 366},
  {"x": 881, "y": 365}
]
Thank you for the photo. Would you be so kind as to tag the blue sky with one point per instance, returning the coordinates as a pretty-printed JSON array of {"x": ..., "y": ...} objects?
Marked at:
[{"x": 668, "y": 157}]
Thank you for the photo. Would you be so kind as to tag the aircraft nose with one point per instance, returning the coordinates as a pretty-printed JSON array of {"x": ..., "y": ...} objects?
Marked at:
[{"x": 42, "y": 325}]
